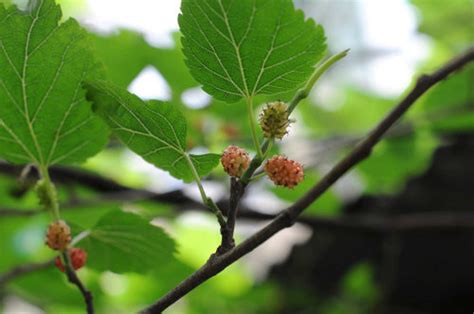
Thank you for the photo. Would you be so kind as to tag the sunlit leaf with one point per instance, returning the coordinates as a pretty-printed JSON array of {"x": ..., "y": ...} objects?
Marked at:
[
  {"x": 243, "y": 48},
  {"x": 154, "y": 130},
  {"x": 44, "y": 117}
]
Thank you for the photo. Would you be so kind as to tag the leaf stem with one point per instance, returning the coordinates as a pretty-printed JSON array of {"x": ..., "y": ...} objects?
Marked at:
[
  {"x": 205, "y": 199},
  {"x": 320, "y": 70},
  {"x": 258, "y": 176},
  {"x": 267, "y": 148},
  {"x": 52, "y": 204},
  {"x": 253, "y": 127}
]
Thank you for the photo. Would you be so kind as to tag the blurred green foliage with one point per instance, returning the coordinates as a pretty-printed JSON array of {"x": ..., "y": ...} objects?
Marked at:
[
  {"x": 448, "y": 22},
  {"x": 406, "y": 153}
]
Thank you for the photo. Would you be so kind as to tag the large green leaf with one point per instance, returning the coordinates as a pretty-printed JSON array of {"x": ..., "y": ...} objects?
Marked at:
[
  {"x": 44, "y": 116},
  {"x": 243, "y": 48},
  {"x": 124, "y": 242},
  {"x": 154, "y": 130}
]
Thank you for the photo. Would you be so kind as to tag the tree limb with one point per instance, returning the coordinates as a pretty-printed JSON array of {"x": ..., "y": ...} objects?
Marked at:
[{"x": 287, "y": 217}]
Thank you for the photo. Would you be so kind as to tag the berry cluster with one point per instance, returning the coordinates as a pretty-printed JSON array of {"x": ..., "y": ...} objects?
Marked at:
[
  {"x": 274, "y": 121},
  {"x": 283, "y": 171}
]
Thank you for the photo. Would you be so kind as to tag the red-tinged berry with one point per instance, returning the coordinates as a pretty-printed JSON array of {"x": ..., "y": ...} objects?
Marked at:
[
  {"x": 235, "y": 161},
  {"x": 274, "y": 120},
  {"x": 283, "y": 171},
  {"x": 58, "y": 236},
  {"x": 77, "y": 256}
]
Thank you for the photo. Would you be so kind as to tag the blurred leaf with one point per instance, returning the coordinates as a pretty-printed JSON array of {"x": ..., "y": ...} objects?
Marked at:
[
  {"x": 260, "y": 299},
  {"x": 327, "y": 205},
  {"x": 244, "y": 48},
  {"x": 13, "y": 243},
  {"x": 395, "y": 160},
  {"x": 449, "y": 106},
  {"x": 358, "y": 113},
  {"x": 359, "y": 283},
  {"x": 134, "y": 289},
  {"x": 156, "y": 131},
  {"x": 127, "y": 53},
  {"x": 197, "y": 242},
  {"x": 44, "y": 117},
  {"x": 47, "y": 287},
  {"x": 12, "y": 194},
  {"x": 448, "y": 21},
  {"x": 123, "y": 242},
  {"x": 85, "y": 217},
  {"x": 457, "y": 90},
  {"x": 50, "y": 290}
]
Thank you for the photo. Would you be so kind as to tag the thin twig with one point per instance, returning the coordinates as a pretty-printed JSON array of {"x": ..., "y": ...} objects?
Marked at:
[
  {"x": 287, "y": 217},
  {"x": 74, "y": 279},
  {"x": 177, "y": 198},
  {"x": 236, "y": 191},
  {"x": 23, "y": 270},
  {"x": 12, "y": 212}
]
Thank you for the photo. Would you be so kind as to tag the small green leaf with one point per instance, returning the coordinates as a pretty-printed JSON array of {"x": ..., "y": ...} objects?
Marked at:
[
  {"x": 124, "y": 242},
  {"x": 248, "y": 47},
  {"x": 154, "y": 130},
  {"x": 44, "y": 116}
]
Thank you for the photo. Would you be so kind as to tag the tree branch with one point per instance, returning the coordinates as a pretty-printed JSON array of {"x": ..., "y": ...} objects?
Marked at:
[{"x": 288, "y": 216}]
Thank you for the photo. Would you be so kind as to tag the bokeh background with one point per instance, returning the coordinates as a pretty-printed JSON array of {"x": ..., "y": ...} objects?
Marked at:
[{"x": 424, "y": 166}]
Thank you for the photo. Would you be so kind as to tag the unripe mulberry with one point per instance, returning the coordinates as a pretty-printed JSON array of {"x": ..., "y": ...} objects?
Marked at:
[
  {"x": 235, "y": 160},
  {"x": 274, "y": 120},
  {"x": 58, "y": 236},
  {"x": 47, "y": 195},
  {"x": 283, "y": 171},
  {"x": 77, "y": 256}
]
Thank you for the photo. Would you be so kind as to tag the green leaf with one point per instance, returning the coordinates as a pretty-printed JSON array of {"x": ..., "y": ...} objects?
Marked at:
[
  {"x": 124, "y": 242},
  {"x": 44, "y": 116},
  {"x": 154, "y": 130},
  {"x": 248, "y": 47}
]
